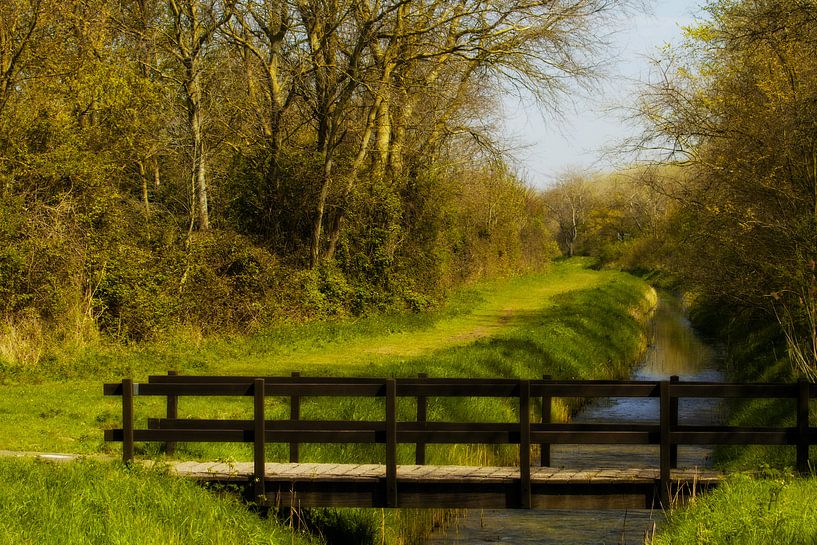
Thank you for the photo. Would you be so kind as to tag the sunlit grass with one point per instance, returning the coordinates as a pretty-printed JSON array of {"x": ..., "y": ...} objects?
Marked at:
[
  {"x": 569, "y": 323},
  {"x": 103, "y": 503},
  {"x": 773, "y": 511}
]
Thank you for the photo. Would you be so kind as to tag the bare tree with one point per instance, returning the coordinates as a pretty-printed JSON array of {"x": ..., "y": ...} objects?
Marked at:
[
  {"x": 193, "y": 25},
  {"x": 568, "y": 204}
]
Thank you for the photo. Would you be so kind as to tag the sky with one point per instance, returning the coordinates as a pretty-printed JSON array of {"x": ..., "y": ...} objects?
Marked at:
[{"x": 543, "y": 147}]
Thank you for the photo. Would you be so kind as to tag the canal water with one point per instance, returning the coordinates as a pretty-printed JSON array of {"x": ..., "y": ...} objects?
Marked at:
[{"x": 674, "y": 349}]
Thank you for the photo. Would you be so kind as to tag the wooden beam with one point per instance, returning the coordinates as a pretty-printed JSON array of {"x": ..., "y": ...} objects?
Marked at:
[
  {"x": 422, "y": 417},
  {"x": 294, "y": 416},
  {"x": 544, "y": 447},
  {"x": 524, "y": 444},
  {"x": 802, "y": 426},
  {"x": 259, "y": 454},
  {"x": 127, "y": 420},
  {"x": 391, "y": 443},
  {"x": 664, "y": 452}
]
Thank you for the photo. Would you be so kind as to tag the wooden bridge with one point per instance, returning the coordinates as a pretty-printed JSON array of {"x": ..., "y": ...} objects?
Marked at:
[{"x": 526, "y": 486}]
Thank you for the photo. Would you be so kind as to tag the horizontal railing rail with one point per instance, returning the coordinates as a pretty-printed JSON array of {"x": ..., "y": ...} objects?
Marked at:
[{"x": 667, "y": 432}]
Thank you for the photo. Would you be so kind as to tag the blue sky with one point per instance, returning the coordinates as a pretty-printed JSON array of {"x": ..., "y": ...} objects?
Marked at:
[{"x": 544, "y": 147}]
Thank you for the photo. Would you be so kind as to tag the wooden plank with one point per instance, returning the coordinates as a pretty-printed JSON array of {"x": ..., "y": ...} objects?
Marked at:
[
  {"x": 247, "y": 379},
  {"x": 271, "y": 425},
  {"x": 524, "y": 444},
  {"x": 732, "y": 390},
  {"x": 391, "y": 443},
  {"x": 246, "y": 389},
  {"x": 802, "y": 462},
  {"x": 666, "y": 443},
  {"x": 458, "y": 389},
  {"x": 172, "y": 413},
  {"x": 595, "y": 389},
  {"x": 448, "y": 486},
  {"x": 734, "y": 435},
  {"x": 127, "y": 420},
  {"x": 187, "y": 436},
  {"x": 673, "y": 422},
  {"x": 596, "y": 437},
  {"x": 422, "y": 417},
  {"x": 544, "y": 446},
  {"x": 294, "y": 416},
  {"x": 259, "y": 432}
]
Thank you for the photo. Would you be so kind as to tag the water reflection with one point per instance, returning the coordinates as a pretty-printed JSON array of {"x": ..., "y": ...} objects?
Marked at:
[{"x": 674, "y": 350}]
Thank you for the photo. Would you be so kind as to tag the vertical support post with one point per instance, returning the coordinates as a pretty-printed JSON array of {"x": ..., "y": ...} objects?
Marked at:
[
  {"x": 524, "y": 444},
  {"x": 673, "y": 421},
  {"x": 544, "y": 448},
  {"x": 172, "y": 413},
  {"x": 422, "y": 417},
  {"x": 391, "y": 443},
  {"x": 259, "y": 430},
  {"x": 802, "y": 426},
  {"x": 294, "y": 415},
  {"x": 664, "y": 463},
  {"x": 127, "y": 420}
]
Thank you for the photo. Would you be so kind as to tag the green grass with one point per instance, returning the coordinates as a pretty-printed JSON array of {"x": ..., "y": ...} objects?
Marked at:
[
  {"x": 519, "y": 327},
  {"x": 770, "y": 507},
  {"x": 102, "y": 503},
  {"x": 745, "y": 510},
  {"x": 571, "y": 322}
]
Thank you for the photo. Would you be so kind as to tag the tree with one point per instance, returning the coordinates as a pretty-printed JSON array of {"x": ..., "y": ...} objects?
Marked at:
[
  {"x": 568, "y": 204},
  {"x": 193, "y": 26},
  {"x": 738, "y": 113}
]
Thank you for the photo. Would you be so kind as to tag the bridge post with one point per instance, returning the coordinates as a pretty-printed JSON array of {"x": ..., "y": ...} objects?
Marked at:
[
  {"x": 664, "y": 455},
  {"x": 802, "y": 426},
  {"x": 127, "y": 420},
  {"x": 294, "y": 415},
  {"x": 172, "y": 412},
  {"x": 391, "y": 443},
  {"x": 259, "y": 431},
  {"x": 524, "y": 444},
  {"x": 673, "y": 419},
  {"x": 544, "y": 448},
  {"x": 422, "y": 415}
]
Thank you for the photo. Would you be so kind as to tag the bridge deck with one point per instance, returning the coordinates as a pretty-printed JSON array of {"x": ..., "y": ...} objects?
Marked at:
[{"x": 315, "y": 485}]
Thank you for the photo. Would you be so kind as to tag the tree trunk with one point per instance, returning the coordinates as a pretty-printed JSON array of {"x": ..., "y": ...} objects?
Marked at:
[
  {"x": 320, "y": 209},
  {"x": 200, "y": 211}
]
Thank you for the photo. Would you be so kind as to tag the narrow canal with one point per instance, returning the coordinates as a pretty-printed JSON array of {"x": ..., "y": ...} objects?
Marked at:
[{"x": 674, "y": 349}]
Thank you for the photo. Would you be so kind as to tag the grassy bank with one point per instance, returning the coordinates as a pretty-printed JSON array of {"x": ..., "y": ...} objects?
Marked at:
[
  {"x": 571, "y": 323},
  {"x": 773, "y": 510},
  {"x": 102, "y": 503},
  {"x": 768, "y": 504}
]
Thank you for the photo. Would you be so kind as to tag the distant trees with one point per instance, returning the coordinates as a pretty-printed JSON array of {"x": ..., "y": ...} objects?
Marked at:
[
  {"x": 568, "y": 203},
  {"x": 613, "y": 217},
  {"x": 739, "y": 113}
]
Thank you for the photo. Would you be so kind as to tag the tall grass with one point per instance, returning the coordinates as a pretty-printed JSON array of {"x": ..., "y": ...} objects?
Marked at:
[
  {"x": 777, "y": 510},
  {"x": 102, "y": 503},
  {"x": 768, "y": 505}
]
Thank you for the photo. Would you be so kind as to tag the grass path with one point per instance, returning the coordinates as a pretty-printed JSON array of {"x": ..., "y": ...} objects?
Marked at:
[
  {"x": 62, "y": 410},
  {"x": 503, "y": 306}
]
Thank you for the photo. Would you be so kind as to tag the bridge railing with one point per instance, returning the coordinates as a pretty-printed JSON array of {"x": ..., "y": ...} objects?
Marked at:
[{"x": 668, "y": 433}]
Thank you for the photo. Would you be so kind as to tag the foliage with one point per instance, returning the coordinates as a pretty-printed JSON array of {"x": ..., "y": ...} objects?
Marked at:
[
  {"x": 210, "y": 165},
  {"x": 735, "y": 106},
  {"x": 615, "y": 218}
]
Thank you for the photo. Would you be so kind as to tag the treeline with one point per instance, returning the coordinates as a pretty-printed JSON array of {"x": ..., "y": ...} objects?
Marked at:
[
  {"x": 731, "y": 175},
  {"x": 226, "y": 163}
]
